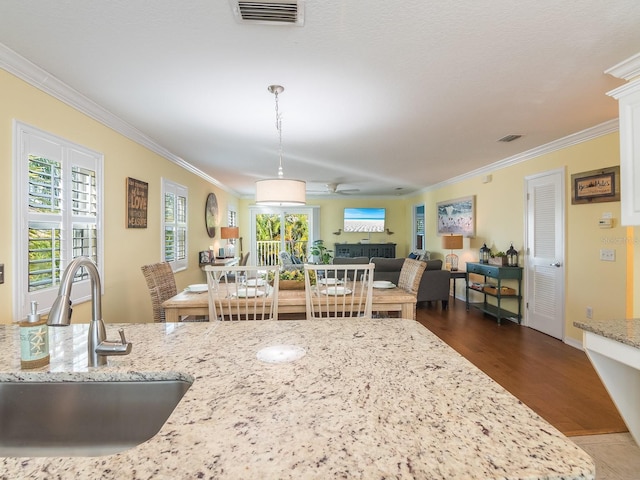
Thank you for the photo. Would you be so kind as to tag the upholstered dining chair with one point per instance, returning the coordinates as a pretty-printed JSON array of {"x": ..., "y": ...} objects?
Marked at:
[
  {"x": 162, "y": 286},
  {"x": 411, "y": 274},
  {"x": 338, "y": 291},
  {"x": 252, "y": 294}
]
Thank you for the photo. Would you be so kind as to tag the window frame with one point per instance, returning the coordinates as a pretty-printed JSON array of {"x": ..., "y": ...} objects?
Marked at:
[
  {"x": 29, "y": 140},
  {"x": 169, "y": 186}
]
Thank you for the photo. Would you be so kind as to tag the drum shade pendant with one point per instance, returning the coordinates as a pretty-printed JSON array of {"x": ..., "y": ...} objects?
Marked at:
[{"x": 280, "y": 191}]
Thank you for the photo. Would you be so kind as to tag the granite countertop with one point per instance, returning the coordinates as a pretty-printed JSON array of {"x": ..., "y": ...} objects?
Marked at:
[
  {"x": 370, "y": 399},
  {"x": 624, "y": 330}
]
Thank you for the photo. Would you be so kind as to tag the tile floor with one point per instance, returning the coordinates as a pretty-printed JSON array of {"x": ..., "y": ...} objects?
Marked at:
[{"x": 616, "y": 455}]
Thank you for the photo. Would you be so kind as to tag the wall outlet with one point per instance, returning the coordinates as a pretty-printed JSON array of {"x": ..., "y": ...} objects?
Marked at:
[
  {"x": 589, "y": 312},
  {"x": 607, "y": 255}
]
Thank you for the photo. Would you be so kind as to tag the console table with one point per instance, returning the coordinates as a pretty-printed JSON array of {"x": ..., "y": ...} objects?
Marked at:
[
  {"x": 369, "y": 250},
  {"x": 498, "y": 273}
]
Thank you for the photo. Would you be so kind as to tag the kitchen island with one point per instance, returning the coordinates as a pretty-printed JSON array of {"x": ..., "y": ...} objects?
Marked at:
[
  {"x": 613, "y": 347},
  {"x": 382, "y": 398}
]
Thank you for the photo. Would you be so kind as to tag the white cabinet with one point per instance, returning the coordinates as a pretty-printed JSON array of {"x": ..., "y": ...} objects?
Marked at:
[
  {"x": 629, "y": 104},
  {"x": 628, "y": 97}
]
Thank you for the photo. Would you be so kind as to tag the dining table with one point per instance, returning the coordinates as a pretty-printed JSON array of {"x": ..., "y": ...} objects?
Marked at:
[{"x": 291, "y": 303}]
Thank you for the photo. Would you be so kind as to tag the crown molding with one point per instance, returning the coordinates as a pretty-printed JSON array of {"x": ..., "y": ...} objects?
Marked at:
[
  {"x": 42, "y": 80},
  {"x": 605, "y": 128},
  {"x": 626, "y": 69}
]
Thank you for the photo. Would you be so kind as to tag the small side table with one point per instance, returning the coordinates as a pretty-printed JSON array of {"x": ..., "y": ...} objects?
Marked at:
[{"x": 455, "y": 275}]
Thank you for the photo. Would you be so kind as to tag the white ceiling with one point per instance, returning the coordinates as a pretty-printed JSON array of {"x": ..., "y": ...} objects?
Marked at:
[{"x": 385, "y": 97}]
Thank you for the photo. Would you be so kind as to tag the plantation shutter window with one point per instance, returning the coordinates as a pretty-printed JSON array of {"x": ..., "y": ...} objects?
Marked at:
[
  {"x": 58, "y": 188},
  {"x": 174, "y": 239}
]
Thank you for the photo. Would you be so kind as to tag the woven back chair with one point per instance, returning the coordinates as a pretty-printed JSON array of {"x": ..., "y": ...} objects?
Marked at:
[
  {"x": 162, "y": 286},
  {"x": 338, "y": 291},
  {"x": 411, "y": 274}
]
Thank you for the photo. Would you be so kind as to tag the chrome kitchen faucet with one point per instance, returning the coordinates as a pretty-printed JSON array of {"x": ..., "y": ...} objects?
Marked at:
[{"x": 98, "y": 347}]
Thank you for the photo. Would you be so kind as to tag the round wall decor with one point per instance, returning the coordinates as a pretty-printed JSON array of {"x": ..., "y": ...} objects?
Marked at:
[{"x": 211, "y": 214}]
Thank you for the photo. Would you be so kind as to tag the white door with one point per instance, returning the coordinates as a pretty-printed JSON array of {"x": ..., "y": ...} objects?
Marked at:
[{"x": 544, "y": 262}]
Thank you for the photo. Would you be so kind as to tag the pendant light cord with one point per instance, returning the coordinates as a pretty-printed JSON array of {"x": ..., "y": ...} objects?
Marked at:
[{"x": 279, "y": 128}]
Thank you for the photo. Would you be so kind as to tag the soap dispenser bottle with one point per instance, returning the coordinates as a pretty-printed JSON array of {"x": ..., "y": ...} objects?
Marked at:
[{"x": 34, "y": 340}]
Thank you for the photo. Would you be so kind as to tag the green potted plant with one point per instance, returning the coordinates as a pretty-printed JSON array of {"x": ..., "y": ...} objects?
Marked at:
[
  {"x": 498, "y": 258},
  {"x": 321, "y": 253}
]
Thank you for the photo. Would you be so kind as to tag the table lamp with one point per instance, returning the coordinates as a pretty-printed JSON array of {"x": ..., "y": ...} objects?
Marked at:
[
  {"x": 228, "y": 233},
  {"x": 451, "y": 242}
]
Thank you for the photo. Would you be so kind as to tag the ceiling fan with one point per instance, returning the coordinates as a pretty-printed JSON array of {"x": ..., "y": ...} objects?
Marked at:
[{"x": 333, "y": 188}]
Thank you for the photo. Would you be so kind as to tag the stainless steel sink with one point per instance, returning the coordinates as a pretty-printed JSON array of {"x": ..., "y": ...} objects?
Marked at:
[{"x": 86, "y": 418}]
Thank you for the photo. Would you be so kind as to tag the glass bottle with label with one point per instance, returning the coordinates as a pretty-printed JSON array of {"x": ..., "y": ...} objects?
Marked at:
[{"x": 34, "y": 340}]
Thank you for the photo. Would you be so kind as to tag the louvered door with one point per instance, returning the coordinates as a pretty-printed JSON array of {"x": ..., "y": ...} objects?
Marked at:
[{"x": 545, "y": 253}]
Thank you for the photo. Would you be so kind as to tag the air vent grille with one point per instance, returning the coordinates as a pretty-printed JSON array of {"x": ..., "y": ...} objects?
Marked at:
[
  {"x": 509, "y": 138},
  {"x": 271, "y": 12}
]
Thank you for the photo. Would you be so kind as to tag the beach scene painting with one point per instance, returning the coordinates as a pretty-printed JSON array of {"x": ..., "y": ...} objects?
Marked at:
[
  {"x": 457, "y": 217},
  {"x": 367, "y": 220}
]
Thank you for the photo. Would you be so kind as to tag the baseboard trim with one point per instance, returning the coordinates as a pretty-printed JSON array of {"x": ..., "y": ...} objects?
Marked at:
[{"x": 572, "y": 342}]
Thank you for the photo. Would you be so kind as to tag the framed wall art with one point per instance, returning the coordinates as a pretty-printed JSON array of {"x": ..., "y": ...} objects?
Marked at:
[
  {"x": 596, "y": 186},
  {"x": 457, "y": 217},
  {"x": 137, "y": 203}
]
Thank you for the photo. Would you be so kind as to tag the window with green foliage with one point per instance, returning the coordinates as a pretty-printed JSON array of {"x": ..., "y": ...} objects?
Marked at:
[
  {"x": 59, "y": 205},
  {"x": 174, "y": 240}
]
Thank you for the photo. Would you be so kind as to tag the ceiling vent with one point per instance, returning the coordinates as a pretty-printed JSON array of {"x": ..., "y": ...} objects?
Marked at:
[
  {"x": 269, "y": 12},
  {"x": 509, "y": 138}
]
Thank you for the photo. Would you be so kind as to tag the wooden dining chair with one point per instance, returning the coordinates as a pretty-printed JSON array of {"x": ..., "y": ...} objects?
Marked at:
[
  {"x": 338, "y": 291},
  {"x": 230, "y": 277},
  {"x": 252, "y": 294}
]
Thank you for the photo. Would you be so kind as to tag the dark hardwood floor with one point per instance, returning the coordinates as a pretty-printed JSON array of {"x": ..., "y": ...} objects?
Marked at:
[{"x": 555, "y": 380}]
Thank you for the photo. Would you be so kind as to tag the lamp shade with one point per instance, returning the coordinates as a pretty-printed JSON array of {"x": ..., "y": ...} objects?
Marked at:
[
  {"x": 280, "y": 192},
  {"x": 229, "y": 232},
  {"x": 452, "y": 242}
]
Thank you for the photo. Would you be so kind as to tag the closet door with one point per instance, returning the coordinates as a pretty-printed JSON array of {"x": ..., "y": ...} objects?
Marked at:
[{"x": 545, "y": 253}]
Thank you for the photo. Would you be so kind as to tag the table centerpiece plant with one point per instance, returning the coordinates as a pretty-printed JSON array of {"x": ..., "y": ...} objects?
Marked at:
[{"x": 292, "y": 279}]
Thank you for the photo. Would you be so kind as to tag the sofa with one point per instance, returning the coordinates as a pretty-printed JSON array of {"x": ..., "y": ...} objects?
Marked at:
[{"x": 434, "y": 285}]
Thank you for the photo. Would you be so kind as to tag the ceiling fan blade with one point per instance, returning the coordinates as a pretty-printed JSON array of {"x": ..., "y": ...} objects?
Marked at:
[{"x": 347, "y": 191}]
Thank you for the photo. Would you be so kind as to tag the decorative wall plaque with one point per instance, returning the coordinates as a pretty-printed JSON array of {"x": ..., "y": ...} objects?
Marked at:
[{"x": 137, "y": 203}]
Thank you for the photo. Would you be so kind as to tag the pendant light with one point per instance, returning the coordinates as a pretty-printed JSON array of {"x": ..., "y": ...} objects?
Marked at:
[{"x": 280, "y": 191}]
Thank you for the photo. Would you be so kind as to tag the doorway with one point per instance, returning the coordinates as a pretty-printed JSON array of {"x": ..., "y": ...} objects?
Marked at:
[
  {"x": 545, "y": 246},
  {"x": 418, "y": 244},
  {"x": 275, "y": 229}
]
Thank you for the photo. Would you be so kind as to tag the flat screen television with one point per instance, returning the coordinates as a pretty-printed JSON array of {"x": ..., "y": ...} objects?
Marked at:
[{"x": 365, "y": 220}]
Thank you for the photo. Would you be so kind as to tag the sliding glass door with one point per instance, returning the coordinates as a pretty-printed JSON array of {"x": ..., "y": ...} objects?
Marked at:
[{"x": 276, "y": 229}]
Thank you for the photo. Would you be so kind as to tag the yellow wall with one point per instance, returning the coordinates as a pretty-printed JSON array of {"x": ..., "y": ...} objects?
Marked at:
[
  {"x": 126, "y": 298},
  {"x": 604, "y": 286},
  {"x": 500, "y": 220}
]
